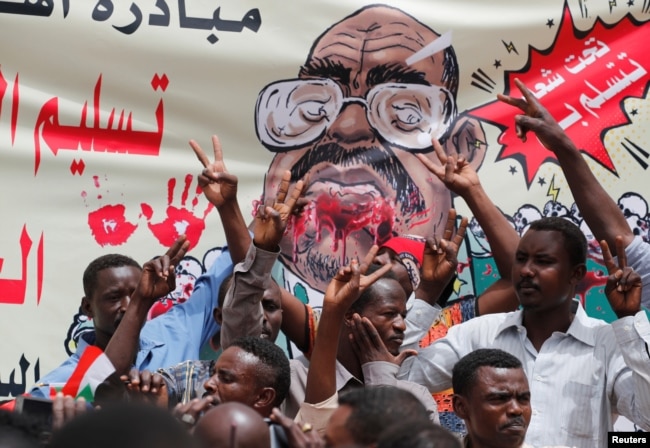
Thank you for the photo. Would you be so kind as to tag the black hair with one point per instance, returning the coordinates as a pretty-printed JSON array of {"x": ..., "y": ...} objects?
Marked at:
[
  {"x": 275, "y": 371},
  {"x": 101, "y": 263},
  {"x": 123, "y": 424},
  {"x": 575, "y": 242},
  {"x": 375, "y": 407},
  {"x": 464, "y": 373},
  {"x": 370, "y": 294},
  {"x": 22, "y": 430}
]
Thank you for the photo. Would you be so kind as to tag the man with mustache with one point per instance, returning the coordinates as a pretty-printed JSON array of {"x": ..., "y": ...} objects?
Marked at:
[
  {"x": 492, "y": 396},
  {"x": 373, "y": 91},
  {"x": 581, "y": 370}
]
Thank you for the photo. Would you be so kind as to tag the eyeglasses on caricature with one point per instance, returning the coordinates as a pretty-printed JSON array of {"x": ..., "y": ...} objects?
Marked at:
[{"x": 294, "y": 113}]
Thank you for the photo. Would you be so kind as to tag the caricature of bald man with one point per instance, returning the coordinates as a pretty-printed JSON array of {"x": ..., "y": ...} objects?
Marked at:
[{"x": 351, "y": 125}]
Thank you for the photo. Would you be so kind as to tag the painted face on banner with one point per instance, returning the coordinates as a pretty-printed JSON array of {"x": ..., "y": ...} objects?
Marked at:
[{"x": 351, "y": 125}]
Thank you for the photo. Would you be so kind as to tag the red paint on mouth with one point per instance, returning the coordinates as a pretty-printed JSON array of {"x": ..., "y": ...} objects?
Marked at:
[{"x": 344, "y": 214}]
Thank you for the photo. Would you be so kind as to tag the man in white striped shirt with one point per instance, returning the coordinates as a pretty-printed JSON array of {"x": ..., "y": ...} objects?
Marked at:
[{"x": 581, "y": 370}]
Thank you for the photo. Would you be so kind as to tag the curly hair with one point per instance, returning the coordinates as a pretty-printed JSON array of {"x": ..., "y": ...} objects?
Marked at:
[
  {"x": 274, "y": 371},
  {"x": 104, "y": 262},
  {"x": 465, "y": 371},
  {"x": 574, "y": 240}
]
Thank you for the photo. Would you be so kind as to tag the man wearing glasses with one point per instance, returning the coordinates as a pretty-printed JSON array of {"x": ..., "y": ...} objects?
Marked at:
[{"x": 376, "y": 87}]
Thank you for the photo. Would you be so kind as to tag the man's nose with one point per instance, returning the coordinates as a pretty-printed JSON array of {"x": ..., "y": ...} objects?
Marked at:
[
  {"x": 124, "y": 303},
  {"x": 515, "y": 408},
  {"x": 526, "y": 270},
  {"x": 351, "y": 125},
  {"x": 211, "y": 384},
  {"x": 399, "y": 324}
]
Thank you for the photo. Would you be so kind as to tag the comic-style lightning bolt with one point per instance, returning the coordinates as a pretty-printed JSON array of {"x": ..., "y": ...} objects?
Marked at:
[
  {"x": 552, "y": 191},
  {"x": 510, "y": 47}
]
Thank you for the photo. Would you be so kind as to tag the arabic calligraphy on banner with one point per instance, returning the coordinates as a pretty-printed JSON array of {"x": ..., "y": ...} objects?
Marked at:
[
  {"x": 104, "y": 9},
  {"x": 99, "y": 99}
]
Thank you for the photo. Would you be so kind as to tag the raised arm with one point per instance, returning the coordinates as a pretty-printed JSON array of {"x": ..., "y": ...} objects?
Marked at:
[
  {"x": 440, "y": 260},
  {"x": 630, "y": 378},
  {"x": 600, "y": 212},
  {"x": 342, "y": 291},
  {"x": 158, "y": 279},
  {"x": 220, "y": 188},
  {"x": 439, "y": 263},
  {"x": 462, "y": 179},
  {"x": 623, "y": 288},
  {"x": 242, "y": 311}
]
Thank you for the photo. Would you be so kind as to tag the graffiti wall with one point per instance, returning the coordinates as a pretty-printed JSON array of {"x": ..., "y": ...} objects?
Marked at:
[{"x": 98, "y": 101}]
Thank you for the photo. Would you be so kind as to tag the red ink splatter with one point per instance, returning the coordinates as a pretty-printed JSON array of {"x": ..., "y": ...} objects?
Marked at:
[
  {"x": 591, "y": 280},
  {"x": 582, "y": 79},
  {"x": 179, "y": 221},
  {"x": 3, "y": 89},
  {"x": 109, "y": 226},
  {"x": 341, "y": 218}
]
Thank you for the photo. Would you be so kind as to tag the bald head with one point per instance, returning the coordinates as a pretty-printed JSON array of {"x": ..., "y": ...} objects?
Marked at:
[
  {"x": 378, "y": 35},
  {"x": 233, "y": 425}
]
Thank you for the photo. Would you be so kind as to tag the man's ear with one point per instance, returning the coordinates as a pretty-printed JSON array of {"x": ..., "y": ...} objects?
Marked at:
[
  {"x": 347, "y": 318},
  {"x": 86, "y": 308},
  {"x": 579, "y": 272},
  {"x": 217, "y": 314},
  {"x": 466, "y": 138},
  {"x": 460, "y": 406},
  {"x": 265, "y": 399}
]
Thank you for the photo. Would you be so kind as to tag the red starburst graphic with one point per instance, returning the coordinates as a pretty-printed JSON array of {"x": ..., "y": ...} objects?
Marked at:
[{"x": 582, "y": 79}]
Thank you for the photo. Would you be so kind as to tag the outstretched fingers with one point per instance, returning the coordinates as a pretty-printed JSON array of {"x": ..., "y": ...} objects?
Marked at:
[
  {"x": 460, "y": 233},
  {"x": 216, "y": 148},
  {"x": 450, "y": 224},
  {"x": 295, "y": 195},
  {"x": 608, "y": 258},
  {"x": 284, "y": 187},
  {"x": 368, "y": 259},
  {"x": 203, "y": 158}
]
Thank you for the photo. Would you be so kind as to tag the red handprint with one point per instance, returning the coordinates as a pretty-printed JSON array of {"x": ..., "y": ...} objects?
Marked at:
[
  {"x": 179, "y": 221},
  {"x": 108, "y": 224}
]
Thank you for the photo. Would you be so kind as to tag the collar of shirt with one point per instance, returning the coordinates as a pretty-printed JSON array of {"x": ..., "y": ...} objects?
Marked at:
[
  {"x": 344, "y": 378},
  {"x": 581, "y": 327}
]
